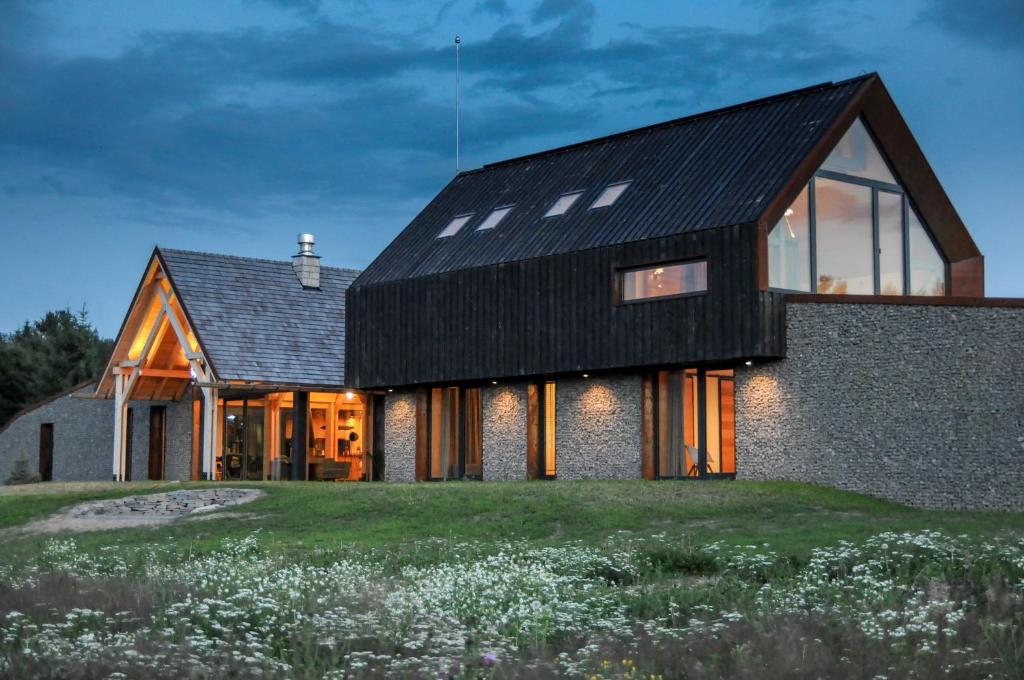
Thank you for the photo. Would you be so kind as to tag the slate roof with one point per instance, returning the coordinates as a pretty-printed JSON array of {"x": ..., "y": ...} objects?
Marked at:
[
  {"x": 710, "y": 170},
  {"x": 256, "y": 322}
]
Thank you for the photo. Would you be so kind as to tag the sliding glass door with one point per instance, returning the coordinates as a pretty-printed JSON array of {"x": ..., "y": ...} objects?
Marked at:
[
  {"x": 695, "y": 419},
  {"x": 455, "y": 442}
]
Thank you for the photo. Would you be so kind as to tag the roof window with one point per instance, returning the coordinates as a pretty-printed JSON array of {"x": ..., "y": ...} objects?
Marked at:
[
  {"x": 496, "y": 216},
  {"x": 562, "y": 205},
  {"x": 610, "y": 194},
  {"x": 454, "y": 226}
]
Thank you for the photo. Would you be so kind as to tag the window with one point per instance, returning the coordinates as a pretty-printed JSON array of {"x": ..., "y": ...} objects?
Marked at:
[
  {"x": 562, "y": 205},
  {"x": 496, "y": 216},
  {"x": 695, "y": 442},
  {"x": 927, "y": 268},
  {"x": 857, "y": 155},
  {"x": 454, "y": 226},
  {"x": 890, "y": 243},
  {"x": 789, "y": 248},
  {"x": 455, "y": 442},
  {"x": 851, "y": 230},
  {"x": 843, "y": 236},
  {"x": 664, "y": 280},
  {"x": 549, "y": 468},
  {"x": 609, "y": 195}
]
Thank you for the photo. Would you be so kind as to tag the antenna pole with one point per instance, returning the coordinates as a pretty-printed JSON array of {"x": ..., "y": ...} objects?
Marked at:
[{"x": 458, "y": 112}]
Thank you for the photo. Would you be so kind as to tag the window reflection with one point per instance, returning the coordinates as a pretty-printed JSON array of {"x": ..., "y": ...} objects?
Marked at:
[
  {"x": 843, "y": 236},
  {"x": 857, "y": 155},
  {"x": 927, "y": 268},
  {"x": 789, "y": 248},
  {"x": 846, "y": 258},
  {"x": 890, "y": 243}
]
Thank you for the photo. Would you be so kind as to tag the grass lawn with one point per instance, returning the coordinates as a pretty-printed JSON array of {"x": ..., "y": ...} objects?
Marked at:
[{"x": 612, "y": 572}]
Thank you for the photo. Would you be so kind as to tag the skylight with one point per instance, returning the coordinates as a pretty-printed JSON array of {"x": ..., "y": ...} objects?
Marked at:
[
  {"x": 496, "y": 216},
  {"x": 562, "y": 205},
  {"x": 454, "y": 226},
  {"x": 610, "y": 194}
]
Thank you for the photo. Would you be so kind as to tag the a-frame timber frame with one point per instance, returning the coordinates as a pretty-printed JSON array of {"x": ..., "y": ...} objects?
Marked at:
[{"x": 158, "y": 356}]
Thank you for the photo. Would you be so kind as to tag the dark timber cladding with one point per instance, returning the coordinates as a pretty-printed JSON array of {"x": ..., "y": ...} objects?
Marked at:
[
  {"x": 537, "y": 295},
  {"x": 557, "y": 314}
]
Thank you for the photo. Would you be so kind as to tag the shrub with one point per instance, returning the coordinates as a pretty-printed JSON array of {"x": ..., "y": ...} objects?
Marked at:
[{"x": 21, "y": 473}]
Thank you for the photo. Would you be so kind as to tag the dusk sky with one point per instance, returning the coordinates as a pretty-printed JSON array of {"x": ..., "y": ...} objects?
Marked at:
[{"x": 231, "y": 126}]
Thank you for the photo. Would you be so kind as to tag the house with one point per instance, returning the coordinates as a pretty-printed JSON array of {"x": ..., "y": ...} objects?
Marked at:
[
  {"x": 224, "y": 368},
  {"x": 775, "y": 290}
]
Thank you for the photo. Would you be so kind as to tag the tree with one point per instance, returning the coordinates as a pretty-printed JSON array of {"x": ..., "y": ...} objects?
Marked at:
[{"x": 47, "y": 356}]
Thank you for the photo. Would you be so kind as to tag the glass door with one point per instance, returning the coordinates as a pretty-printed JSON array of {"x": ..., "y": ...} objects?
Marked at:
[
  {"x": 455, "y": 442},
  {"x": 695, "y": 421},
  {"x": 243, "y": 443}
]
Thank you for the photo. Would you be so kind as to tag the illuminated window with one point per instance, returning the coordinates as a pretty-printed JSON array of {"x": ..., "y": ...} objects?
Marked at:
[
  {"x": 454, "y": 226},
  {"x": 562, "y": 205},
  {"x": 455, "y": 443},
  {"x": 665, "y": 280},
  {"x": 496, "y": 216},
  {"x": 609, "y": 195},
  {"x": 686, "y": 445},
  {"x": 858, "y": 219},
  {"x": 549, "y": 430}
]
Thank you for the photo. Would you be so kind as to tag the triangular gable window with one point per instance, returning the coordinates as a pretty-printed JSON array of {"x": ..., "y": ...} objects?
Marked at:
[
  {"x": 853, "y": 230},
  {"x": 857, "y": 155}
]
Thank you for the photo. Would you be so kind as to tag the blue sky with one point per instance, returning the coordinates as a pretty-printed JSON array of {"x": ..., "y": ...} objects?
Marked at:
[{"x": 230, "y": 126}]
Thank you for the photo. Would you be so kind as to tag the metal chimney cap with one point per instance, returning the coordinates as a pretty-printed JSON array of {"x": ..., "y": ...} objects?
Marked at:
[{"x": 306, "y": 242}]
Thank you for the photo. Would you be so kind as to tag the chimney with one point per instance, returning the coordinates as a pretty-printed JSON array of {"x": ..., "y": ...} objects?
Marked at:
[{"x": 306, "y": 264}]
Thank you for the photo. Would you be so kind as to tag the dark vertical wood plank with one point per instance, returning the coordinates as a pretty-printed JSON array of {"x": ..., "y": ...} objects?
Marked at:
[{"x": 647, "y": 470}]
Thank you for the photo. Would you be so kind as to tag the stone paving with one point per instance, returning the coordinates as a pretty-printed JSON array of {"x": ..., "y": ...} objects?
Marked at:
[
  {"x": 166, "y": 505},
  {"x": 143, "y": 510}
]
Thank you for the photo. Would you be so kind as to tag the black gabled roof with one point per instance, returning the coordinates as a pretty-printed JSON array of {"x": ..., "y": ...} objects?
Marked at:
[
  {"x": 256, "y": 322},
  {"x": 705, "y": 171}
]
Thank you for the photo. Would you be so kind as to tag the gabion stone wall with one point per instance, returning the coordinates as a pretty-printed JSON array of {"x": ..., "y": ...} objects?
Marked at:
[
  {"x": 83, "y": 438},
  {"x": 597, "y": 428},
  {"x": 913, "y": 403},
  {"x": 400, "y": 437},
  {"x": 504, "y": 412}
]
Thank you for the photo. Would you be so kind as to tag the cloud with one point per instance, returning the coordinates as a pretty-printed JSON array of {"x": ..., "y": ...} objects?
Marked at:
[
  {"x": 328, "y": 113},
  {"x": 498, "y": 8},
  {"x": 992, "y": 23}
]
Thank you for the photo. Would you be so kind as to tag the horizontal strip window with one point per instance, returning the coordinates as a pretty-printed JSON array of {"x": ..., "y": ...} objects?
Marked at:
[{"x": 664, "y": 280}]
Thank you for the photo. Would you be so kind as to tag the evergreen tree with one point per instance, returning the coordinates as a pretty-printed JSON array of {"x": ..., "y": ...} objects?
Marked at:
[{"x": 47, "y": 356}]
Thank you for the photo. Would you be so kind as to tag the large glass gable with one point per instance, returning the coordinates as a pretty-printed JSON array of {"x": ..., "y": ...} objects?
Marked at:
[
  {"x": 852, "y": 230},
  {"x": 857, "y": 155}
]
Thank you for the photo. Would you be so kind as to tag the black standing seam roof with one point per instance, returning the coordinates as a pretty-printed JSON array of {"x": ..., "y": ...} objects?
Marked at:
[
  {"x": 710, "y": 170},
  {"x": 257, "y": 323}
]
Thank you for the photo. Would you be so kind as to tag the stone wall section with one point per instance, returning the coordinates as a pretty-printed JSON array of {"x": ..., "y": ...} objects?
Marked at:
[
  {"x": 83, "y": 438},
  {"x": 913, "y": 403},
  {"x": 597, "y": 427},
  {"x": 400, "y": 437},
  {"x": 504, "y": 412}
]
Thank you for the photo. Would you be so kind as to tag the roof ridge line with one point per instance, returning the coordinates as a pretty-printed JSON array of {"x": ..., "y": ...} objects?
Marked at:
[
  {"x": 669, "y": 123},
  {"x": 247, "y": 259}
]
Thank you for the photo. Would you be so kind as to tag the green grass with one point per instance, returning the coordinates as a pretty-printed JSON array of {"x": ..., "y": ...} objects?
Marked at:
[{"x": 297, "y": 517}]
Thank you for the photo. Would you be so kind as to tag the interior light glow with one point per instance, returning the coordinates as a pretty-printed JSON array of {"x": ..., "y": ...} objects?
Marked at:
[
  {"x": 349, "y": 395},
  {"x": 748, "y": 362}
]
